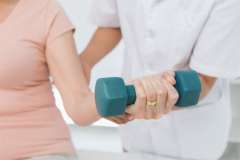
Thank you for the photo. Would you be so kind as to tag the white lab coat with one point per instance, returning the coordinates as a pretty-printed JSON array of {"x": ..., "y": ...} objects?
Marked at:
[{"x": 159, "y": 35}]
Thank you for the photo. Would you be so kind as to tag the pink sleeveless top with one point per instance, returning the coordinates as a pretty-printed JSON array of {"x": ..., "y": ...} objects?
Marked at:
[{"x": 30, "y": 123}]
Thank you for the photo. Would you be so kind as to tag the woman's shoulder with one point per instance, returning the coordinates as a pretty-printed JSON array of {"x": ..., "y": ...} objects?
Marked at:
[
  {"x": 39, "y": 15},
  {"x": 53, "y": 4},
  {"x": 44, "y": 5}
]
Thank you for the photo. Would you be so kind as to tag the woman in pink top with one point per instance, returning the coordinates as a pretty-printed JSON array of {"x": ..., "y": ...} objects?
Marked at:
[{"x": 37, "y": 40}]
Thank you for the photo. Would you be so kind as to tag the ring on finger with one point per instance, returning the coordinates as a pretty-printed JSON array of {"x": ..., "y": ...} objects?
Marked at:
[{"x": 151, "y": 104}]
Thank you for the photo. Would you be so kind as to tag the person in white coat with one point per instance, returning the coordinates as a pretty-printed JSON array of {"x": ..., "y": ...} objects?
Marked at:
[{"x": 163, "y": 35}]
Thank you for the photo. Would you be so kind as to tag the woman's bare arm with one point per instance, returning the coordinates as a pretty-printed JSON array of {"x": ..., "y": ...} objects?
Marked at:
[
  {"x": 102, "y": 43},
  {"x": 68, "y": 75}
]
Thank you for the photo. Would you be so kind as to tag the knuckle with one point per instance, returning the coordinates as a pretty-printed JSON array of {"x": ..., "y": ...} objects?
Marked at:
[
  {"x": 152, "y": 96},
  {"x": 162, "y": 92},
  {"x": 164, "y": 88},
  {"x": 174, "y": 97},
  {"x": 142, "y": 96}
]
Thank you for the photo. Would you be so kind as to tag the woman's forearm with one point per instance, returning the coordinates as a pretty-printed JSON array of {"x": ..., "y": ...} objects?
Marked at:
[{"x": 82, "y": 109}]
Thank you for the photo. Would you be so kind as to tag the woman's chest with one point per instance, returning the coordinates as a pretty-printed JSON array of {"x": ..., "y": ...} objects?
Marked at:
[{"x": 22, "y": 59}]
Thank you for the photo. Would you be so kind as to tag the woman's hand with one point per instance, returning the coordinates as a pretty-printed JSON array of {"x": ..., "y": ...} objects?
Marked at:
[
  {"x": 156, "y": 96},
  {"x": 123, "y": 119}
]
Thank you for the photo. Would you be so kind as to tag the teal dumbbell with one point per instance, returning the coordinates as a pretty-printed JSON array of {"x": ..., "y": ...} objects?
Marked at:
[{"x": 113, "y": 96}]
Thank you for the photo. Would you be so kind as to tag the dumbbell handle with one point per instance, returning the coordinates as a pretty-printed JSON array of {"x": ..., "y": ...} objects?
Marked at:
[
  {"x": 182, "y": 102},
  {"x": 131, "y": 92}
]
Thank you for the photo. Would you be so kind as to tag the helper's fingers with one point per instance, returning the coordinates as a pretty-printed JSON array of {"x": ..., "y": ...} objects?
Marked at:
[
  {"x": 169, "y": 76},
  {"x": 172, "y": 97},
  {"x": 150, "y": 90},
  {"x": 139, "y": 109},
  {"x": 154, "y": 112},
  {"x": 162, "y": 93}
]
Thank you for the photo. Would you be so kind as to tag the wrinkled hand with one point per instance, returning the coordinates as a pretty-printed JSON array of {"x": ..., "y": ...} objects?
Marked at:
[{"x": 156, "y": 96}]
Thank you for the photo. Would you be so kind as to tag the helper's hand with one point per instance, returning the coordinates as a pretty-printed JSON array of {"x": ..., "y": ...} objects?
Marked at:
[
  {"x": 121, "y": 119},
  {"x": 156, "y": 96}
]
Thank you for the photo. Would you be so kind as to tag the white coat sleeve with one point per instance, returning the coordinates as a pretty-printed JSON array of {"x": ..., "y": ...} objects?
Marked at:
[
  {"x": 104, "y": 13},
  {"x": 217, "y": 51}
]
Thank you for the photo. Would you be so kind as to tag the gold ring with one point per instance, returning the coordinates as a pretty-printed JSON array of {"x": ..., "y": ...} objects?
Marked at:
[{"x": 152, "y": 103}]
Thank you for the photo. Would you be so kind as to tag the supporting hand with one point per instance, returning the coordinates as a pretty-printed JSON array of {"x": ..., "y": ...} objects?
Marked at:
[{"x": 156, "y": 96}]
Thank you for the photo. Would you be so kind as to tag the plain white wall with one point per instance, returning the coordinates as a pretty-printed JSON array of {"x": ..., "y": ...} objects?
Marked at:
[{"x": 78, "y": 11}]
